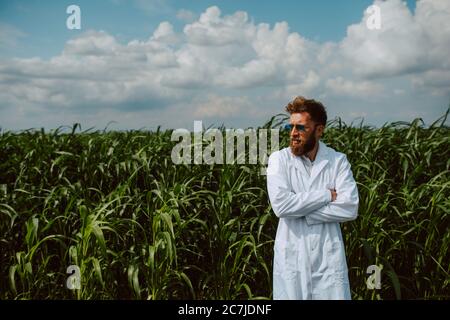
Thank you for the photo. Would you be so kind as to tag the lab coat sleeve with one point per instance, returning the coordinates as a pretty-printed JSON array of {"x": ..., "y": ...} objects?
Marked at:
[
  {"x": 345, "y": 207},
  {"x": 286, "y": 203}
]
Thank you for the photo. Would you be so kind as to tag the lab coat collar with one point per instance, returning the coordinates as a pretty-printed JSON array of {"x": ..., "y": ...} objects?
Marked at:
[{"x": 319, "y": 163}]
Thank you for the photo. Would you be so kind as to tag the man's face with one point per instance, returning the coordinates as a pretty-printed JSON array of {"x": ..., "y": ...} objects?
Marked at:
[{"x": 302, "y": 142}]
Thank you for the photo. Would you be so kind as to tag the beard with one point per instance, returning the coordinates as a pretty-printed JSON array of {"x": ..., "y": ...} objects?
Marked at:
[{"x": 304, "y": 146}]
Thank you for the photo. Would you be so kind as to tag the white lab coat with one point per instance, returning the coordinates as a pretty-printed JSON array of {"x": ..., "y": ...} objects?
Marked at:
[{"x": 309, "y": 253}]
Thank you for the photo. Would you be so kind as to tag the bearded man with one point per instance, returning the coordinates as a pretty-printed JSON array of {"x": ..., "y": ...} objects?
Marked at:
[{"x": 311, "y": 189}]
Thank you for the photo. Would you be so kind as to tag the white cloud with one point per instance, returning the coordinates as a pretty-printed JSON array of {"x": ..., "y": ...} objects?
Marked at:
[
  {"x": 363, "y": 89},
  {"x": 228, "y": 67},
  {"x": 405, "y": 44},
  {"x": 433, "y": 16},
  {"x": 254, "y": 73},
  {"x": 213, "y": 30},
  {"x": 438, "y": 81},
  {"x": 186, "y": 15},
  {"x": 165, "y": 34},
  {"x": 390, "y": 50},
  {"x": 92, "y": 43},
  {"x": 306, "y": 86},
  {"x": 218, "y": 107}
]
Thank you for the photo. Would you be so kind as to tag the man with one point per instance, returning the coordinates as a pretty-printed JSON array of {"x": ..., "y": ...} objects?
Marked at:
[{"x": 311, "y": 189}]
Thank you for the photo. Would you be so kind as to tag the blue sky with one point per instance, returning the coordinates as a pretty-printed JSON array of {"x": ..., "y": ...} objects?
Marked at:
[
  {"x": 158, "y": 62},
  {"x": 43, "y": 22}
]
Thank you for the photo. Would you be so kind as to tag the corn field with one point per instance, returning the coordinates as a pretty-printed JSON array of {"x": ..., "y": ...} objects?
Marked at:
[{"x": 140, "y": 227}]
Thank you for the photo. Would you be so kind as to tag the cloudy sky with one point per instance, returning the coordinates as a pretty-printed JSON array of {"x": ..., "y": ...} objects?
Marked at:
[{"x": 144, "y": 63}]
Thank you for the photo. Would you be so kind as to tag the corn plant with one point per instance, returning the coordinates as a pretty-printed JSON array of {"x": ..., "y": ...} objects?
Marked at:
[{"x": 140, "y": 227}]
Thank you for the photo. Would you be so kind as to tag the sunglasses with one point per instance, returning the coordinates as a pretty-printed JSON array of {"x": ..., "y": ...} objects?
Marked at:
[{"x": 298, "y": 127}]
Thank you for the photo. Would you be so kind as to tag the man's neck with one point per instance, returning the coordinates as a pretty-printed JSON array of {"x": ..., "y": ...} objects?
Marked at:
[{"x": 313, "y": 153}]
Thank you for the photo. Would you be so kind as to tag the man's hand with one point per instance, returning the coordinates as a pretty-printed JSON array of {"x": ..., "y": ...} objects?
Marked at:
[{"x": 333, "y": 194}]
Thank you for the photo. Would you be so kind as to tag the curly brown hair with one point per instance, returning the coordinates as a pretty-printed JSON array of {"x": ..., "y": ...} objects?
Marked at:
[{"x": 315, "y": 109}]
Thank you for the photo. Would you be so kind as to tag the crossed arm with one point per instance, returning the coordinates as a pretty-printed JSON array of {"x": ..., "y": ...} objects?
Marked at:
[{"x": 317, "y": 206}]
